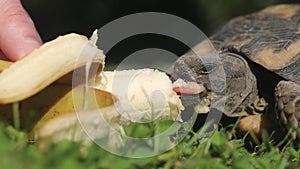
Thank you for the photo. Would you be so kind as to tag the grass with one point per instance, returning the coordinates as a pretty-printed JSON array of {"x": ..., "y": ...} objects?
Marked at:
[
  {"x": 216, "y": 151},
  {"x": 219, "y": 151}
]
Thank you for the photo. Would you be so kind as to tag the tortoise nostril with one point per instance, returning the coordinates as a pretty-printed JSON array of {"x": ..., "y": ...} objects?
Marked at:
[{"x": 199, "y": 78}]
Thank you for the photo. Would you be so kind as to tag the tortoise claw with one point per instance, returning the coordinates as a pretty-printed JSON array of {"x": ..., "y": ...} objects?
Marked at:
[{"x": 259, "y": 105}]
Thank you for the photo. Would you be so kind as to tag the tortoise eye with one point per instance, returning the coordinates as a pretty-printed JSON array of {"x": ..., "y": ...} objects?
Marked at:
[{"x": 206, "y": 69}]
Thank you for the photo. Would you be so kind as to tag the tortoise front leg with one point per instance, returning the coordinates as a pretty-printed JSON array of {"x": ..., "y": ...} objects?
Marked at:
[{"x": 288, "y": 108}]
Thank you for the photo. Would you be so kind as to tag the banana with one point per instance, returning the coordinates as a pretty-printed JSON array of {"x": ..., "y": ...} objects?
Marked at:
[
  {"x": 142, "y": 93},
  {"x": 51, "y": 103},
  {"x": 65, "y": 104},
  {"x": 132, "y": 96},
  {"x": 31, "y": 110},
  {"x": 4, "y": 65},
  {"x": 45, "y": 65},
  {"x": 41, "y": 81}
]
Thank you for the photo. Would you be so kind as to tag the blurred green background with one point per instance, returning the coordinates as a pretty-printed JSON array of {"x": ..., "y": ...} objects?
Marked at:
[{"x": 57, "y": 17}]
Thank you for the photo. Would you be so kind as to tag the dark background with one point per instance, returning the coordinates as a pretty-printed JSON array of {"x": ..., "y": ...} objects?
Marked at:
[{"x": 57, "y": 17}]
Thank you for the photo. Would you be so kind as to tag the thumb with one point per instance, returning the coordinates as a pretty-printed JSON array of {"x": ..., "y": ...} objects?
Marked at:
[{"x": 18, "y": 35}]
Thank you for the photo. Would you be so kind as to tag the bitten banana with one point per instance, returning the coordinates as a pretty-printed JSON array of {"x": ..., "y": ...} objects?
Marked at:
[
  {"x": 138, "y": 96},
  {"x": 41, "y": 84}
]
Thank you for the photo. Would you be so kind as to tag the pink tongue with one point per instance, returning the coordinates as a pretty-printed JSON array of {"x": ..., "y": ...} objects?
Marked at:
[{"x": 184, "y": 90}]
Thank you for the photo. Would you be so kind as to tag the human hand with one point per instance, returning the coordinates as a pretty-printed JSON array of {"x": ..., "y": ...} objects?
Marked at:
[{"x": 18, "y": 35}]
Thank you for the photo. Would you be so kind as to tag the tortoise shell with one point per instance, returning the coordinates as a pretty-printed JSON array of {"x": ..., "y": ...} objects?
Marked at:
[{"x": 270, "y": 38}]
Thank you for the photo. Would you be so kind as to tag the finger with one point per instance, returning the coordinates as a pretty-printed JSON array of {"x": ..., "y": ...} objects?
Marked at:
[{"x": 18, "y": 35}]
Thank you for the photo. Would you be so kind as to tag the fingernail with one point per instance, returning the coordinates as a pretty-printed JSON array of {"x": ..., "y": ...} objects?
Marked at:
[{"x": 28, "y": 46}]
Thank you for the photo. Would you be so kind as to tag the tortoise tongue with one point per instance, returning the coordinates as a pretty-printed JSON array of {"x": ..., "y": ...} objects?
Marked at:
[
  {"x": 182, "y": 87},
  {"x": 185, "y": 90}
]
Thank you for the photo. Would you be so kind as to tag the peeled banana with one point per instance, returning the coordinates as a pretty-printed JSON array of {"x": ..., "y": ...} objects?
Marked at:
[
  {"x": 41, "y": 83},
  {"x": 139, "y": 96}
]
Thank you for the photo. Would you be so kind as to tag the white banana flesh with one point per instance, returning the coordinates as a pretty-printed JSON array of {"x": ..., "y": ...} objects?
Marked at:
[{"x": 142, "y": 95}]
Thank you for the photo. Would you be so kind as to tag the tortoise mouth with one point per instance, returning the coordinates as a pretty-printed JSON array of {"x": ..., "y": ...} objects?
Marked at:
[
  {"x": 182, "y": 87},
  {"x": 194, "y": 95}
]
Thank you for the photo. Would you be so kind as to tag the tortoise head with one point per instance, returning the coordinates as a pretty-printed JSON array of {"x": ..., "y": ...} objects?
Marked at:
[{"x": 227, "y": 75}]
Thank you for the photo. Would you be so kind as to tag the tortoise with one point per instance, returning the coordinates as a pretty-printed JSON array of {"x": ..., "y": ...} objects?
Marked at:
[{"x": 260, "y": 54}]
